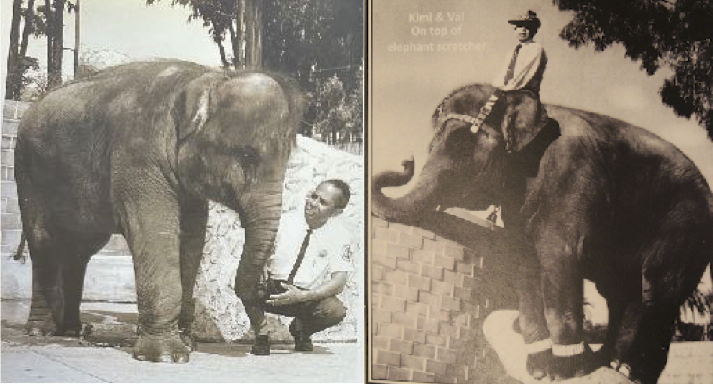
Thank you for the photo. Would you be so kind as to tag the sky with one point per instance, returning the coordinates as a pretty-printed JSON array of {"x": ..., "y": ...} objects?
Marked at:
[{"x": 125, "y": 26}]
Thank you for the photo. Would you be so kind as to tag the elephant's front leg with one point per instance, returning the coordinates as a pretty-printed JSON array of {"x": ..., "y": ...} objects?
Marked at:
[
  {"x": 149, "y": 218},
  {"x": 259, "y": 241},
  {"x": 562, "y": 286},
  {"x": 532, "y": 322}
]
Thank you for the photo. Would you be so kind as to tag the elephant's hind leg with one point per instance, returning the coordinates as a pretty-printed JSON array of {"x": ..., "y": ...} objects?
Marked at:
[
  {"x": 616, "y": 306},
  {"x": 194, "y": 217},
  {"x": 73, "y": 271},
  {"x": 47, "y": 252},
  {"x": 643, "y": 343},
  {"x": 44, "y": 245},
  {"x": 46, "y": 308},
  {"x": 670, "y": 273},
  {"x": 59, "y": 262}
]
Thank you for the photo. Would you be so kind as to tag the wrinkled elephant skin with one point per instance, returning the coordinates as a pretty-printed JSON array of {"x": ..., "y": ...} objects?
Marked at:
[
  {"x": 592, "y": 198},
  {"x": 139, "y": 149}
]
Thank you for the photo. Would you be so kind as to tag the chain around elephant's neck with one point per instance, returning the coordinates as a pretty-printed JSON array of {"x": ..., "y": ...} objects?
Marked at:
[{"x": 464, "y": 118}]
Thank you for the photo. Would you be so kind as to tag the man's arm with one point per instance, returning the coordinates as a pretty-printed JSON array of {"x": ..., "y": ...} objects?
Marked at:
[{"x": 329, "y": 288}]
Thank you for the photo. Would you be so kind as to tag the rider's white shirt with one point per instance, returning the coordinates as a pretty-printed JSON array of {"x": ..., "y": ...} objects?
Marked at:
[{"x": 529, "y": 68}]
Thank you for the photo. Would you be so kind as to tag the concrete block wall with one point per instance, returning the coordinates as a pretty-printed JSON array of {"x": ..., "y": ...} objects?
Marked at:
[
  {"x": 426, "y": 307},
  {"x": 11, "y": 226}
]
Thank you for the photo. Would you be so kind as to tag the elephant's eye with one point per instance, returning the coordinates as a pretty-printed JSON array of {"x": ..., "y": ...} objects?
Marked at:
[{"x": 248, "y": 155}]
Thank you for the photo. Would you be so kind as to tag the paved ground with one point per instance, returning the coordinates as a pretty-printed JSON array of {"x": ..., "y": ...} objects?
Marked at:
[{"x": 105, "y": 356}]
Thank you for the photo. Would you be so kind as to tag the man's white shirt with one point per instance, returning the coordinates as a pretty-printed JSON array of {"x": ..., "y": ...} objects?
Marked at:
[
  {"x": 327, "y": 252},
  {"x": 528, "y": 71}
]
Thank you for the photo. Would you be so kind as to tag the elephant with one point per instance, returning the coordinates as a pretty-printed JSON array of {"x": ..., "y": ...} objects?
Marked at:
[
  {"x": 582, "y": 196},
  {"x": 139, "y": 149}
]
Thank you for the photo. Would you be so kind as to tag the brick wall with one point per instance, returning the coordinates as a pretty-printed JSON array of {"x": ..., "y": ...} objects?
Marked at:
[{"x": 429, "y": 295}]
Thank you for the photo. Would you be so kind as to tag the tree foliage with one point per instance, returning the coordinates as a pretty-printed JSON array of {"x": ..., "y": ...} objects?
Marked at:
[
  {"x": 53, "y": 12},
  {"x": 319, "y": 42},
  {"x": 46, "y": 18},
  {"x": 659, "y": 33},
  {"x": 337, "y": 113},
  {"x": 17, "y": 60}
]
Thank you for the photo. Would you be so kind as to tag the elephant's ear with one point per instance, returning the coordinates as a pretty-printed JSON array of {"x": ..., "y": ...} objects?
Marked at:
[
  {"x": 195, "y": 104},
  {"x": 522, "y": 121}
]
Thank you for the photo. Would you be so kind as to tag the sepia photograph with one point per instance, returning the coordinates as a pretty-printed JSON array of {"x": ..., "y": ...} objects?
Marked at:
[
  {"x": 183, "y": 191},
  {"x": 539, "y": 191}
]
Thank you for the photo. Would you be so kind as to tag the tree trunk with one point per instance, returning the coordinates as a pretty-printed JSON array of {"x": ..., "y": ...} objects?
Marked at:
[
  {"x": 27, "y": 30},
  {"x": 235, "y": 44},
  {"x": 253, "y": 33},
  {"x": 237, "y": 35},
  {"x": 14, "y": 77},
  {"x": 55, "y": 49},
  {"x": 49, "y": 16},
  {"x": 221, "y": 49},
  {"x": 77, "y": 31}
]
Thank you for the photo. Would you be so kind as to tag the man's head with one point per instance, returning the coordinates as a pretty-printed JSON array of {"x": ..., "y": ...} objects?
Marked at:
[
  {"x": 526, "y": 26},
  {"x": 327, "y": 200}
]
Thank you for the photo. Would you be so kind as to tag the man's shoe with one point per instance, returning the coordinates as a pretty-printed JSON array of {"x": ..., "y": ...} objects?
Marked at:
[
  {"x": 303, "y": 342},
  {"x": 261, "y": 346}
]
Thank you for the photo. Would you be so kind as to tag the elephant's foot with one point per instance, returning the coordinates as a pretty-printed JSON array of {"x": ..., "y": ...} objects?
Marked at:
[
  {"x": 603, "y": 357},
  {"x": 538, "y": 364},
  {"x": 161, "y": 349},
  {"x": 74, "y": 332},
  {"x": 188, "y": 340},
  {"x": 73, "y": 329},
  {"x": 41, "y": 328},
  {"x": 637, "y": 373},
  {"x": 567, "y": 364}
]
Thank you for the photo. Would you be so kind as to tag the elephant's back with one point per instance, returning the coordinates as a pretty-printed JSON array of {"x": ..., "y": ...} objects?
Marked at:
[
  {"x": 634, "y": 155},
  {"x": 83, "y": 118},
  {"x": 66, "y": 139},
  {"x": 612, "y": 132}
]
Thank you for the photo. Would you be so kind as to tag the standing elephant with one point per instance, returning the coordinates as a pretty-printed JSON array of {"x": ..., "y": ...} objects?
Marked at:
[
  {"x": 139, "y": 149},
  {"x": 592, "y": 197}
]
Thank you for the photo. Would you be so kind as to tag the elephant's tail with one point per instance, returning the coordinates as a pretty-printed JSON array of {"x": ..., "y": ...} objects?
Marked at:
[{"x": 20, "y": 252}]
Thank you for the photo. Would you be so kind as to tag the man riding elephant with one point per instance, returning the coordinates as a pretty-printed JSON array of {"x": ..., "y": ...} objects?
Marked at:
[
  {"x": 523, "y": 73},
  {"x": 524, "y": 69}
]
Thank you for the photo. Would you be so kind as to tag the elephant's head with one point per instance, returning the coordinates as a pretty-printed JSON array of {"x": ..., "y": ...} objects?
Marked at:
[
  {"x": 464, "y": 169},
  {"x": 235, "y": 133}
]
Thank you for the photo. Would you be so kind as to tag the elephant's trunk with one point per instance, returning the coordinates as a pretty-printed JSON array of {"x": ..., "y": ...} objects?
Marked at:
[
  {"x": 408, "y": 207},
  {"x": 260, "y": 216}
]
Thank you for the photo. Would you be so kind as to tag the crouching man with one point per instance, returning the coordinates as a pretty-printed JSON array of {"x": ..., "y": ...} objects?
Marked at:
[{"x": 308, "y": 269}]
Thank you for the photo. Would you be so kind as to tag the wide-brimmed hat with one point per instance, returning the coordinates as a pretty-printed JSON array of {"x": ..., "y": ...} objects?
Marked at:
[{"x": 527, "y": 20}]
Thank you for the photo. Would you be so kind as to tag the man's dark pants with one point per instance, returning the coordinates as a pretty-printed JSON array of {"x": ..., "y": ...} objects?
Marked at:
[{"x": 313, "y": 316}]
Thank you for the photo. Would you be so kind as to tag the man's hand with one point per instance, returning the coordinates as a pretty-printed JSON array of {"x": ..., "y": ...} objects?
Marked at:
[{"x": 293, "y": 295}]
